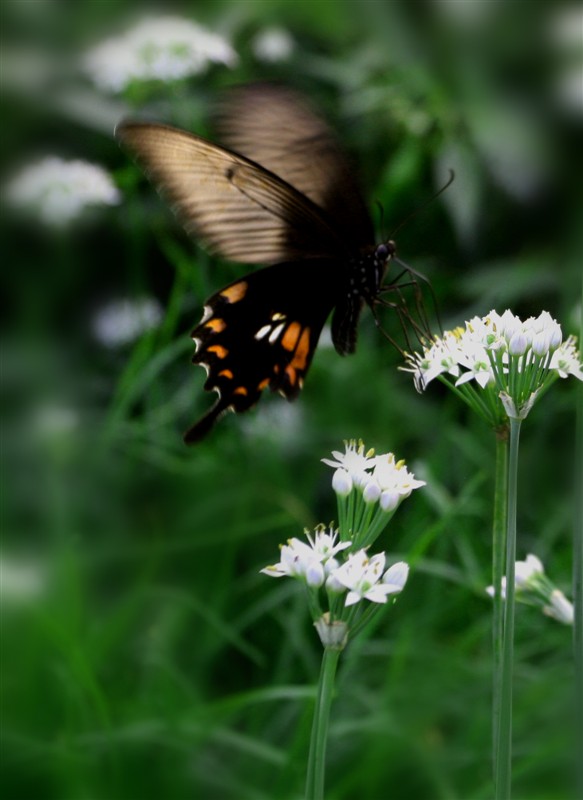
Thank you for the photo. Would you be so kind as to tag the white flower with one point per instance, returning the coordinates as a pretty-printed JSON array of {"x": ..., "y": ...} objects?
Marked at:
[
  {"x": 525, "y": 570},
  {"x": 534, "y": 588},
  {"x": 273, "y": 44},
  {"x": 20, "y": 581},
  {"x": 362, "y": 576},
  {"x": 393, "y": 476},
  {"x": 162, "y": 48},
  {"x": 560, "y": 608},
  {"x": 566, "y": 360},
  {"x": 52, "y": 420},
  {"x": 440, "y": 358},
  {"x": 354, "y": 461},
  {"x": 566, "y": 26},
  {"x": 60, "y": 190},
  {"x": 396, "y": 576},
  {"x": 123, "y": 321},
  {"x": 307, "y": 561}
]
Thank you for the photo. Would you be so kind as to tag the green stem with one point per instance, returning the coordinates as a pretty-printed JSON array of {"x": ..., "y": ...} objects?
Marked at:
[
  {"x": 578, "y": 586},
  {"x": 498, "y": 554},
  {"x": 317, "y": 757},
  {"x": 503, "y": 772}
]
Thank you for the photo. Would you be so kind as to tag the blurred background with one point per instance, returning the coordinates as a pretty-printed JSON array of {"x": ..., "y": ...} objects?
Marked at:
[{"x": 143, "y": 655}]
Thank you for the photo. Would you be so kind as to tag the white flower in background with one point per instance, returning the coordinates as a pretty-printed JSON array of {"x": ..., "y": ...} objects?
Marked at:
[
  {"x": 20, "y": 581},
  {"x": 53, "y": 420},
  {"x": 273, "y": 44},
  {"x": 164, "y": 48},
  {"x": 123, "y": 321},
  {"x": 533, "y": 587},
  {"x": 560, "y": 608},
  {"x": 566, "y": 360},
  {"x": 307, "y": 561},
  {"x": 60, "y": 190},
  {"x": 364, "y": 578},
  {"x": 490, "y": 352},
  {"x": 278, "y": 422},
  {"x": 567, "y": 27}
]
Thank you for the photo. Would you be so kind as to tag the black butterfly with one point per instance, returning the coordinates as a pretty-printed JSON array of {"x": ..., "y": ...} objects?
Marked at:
[{"x": 283, "y": 195}]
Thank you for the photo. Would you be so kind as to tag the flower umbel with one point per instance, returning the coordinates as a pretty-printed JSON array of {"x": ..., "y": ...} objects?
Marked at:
[
  {"x": 534, "y": 588},
  {"x": 511, "y": 361},
  {"x": 59, "y": 191},
  {"x": 165, "y": 48},
  {"x": 369, "y": 489}
]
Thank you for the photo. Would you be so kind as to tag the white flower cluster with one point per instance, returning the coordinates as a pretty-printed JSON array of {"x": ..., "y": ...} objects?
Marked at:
[
  {"x": 123, "y": 321},
  {"x": 60, "y": 190},
  {"x": 162, "y": 48},
  {"x": 360, "y": 575},
  {"x": 534, "y": 588},
  {"x": 380, "y": 478},
  {"x": 500, "y": 352},
  {"x": 272, "y": 45},
  {"x": 471, "y": 353}
]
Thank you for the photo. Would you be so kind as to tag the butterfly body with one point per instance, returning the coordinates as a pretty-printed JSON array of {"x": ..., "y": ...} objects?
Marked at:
[{"x": 285, "y": 198}]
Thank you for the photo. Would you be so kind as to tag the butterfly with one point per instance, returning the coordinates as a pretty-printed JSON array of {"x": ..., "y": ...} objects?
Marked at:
[{"x": 279, "y": 193}]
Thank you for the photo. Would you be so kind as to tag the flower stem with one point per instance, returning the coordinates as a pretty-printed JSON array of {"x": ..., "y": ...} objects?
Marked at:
[
  {"x": 498, "y": 554},
  {"x": 317, "y": 757},
  {"x": 578, "y": 587},
  {"x": 503, "y": 767}
]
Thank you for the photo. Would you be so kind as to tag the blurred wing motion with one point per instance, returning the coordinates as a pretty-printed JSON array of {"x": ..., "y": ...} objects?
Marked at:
[
  {"x": 276, "y": 128},
  {"x": 283, "y": 195},
  {"x": 235, "y": 207}
]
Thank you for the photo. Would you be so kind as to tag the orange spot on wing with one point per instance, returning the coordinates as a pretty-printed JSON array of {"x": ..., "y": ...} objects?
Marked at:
[
  {"x": 216, "y": 325},
  {"x": 263, "y": 385},
  {"x": 291, "y": 374},
  {"x": 300, "y": 359},
  {"x": 234, "y": 293},
  {"x": 226, "y": 373},
  {"x": 218, "y": 349},
  {"x": 240, "y": 390},
  {"x": 291, "y": 336}
]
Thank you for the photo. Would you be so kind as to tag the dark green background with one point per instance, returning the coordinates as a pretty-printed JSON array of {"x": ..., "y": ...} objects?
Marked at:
[{"x": 156, "y": 662}]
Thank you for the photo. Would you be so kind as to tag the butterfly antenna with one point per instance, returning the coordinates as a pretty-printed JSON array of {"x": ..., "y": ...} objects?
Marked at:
[{"x": 423, "y": 205}]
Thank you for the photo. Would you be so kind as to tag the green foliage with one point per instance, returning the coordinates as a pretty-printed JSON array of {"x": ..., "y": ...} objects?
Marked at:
[{"x": 143, "y": 656}]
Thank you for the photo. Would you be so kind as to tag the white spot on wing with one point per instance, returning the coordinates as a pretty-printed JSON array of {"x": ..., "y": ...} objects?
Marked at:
[
  {"x": 276, "y": 333},
  {"x": 206, "y": 314},
  {"x": 262, "y": 332}
]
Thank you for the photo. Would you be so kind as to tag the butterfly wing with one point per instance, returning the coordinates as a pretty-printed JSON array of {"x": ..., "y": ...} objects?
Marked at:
[
  {"x": 261, "y": 331},
  {"x": 237, "y": 208},
  {"x": 276, "y": 128}
]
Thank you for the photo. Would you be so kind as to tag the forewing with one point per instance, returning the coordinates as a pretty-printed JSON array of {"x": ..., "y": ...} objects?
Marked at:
[
  {"x": 262, "y": 332},
  {"x": 236, "y": 208},
  {"x": 275, "y": 127}
]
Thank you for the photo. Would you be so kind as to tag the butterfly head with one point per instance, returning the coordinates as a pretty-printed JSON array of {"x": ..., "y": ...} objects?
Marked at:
[{"x": 385, "y": 251}]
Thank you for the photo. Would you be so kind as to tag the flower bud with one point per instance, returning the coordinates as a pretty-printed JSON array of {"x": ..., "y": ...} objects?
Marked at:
[
  {"x": 518, "y": 343},
  {"x": 342, "y": 482},
  {"x": 315, "y": 574},
  {"x": 372, "y": 492},
  {"x": 389, "y": 500}
]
